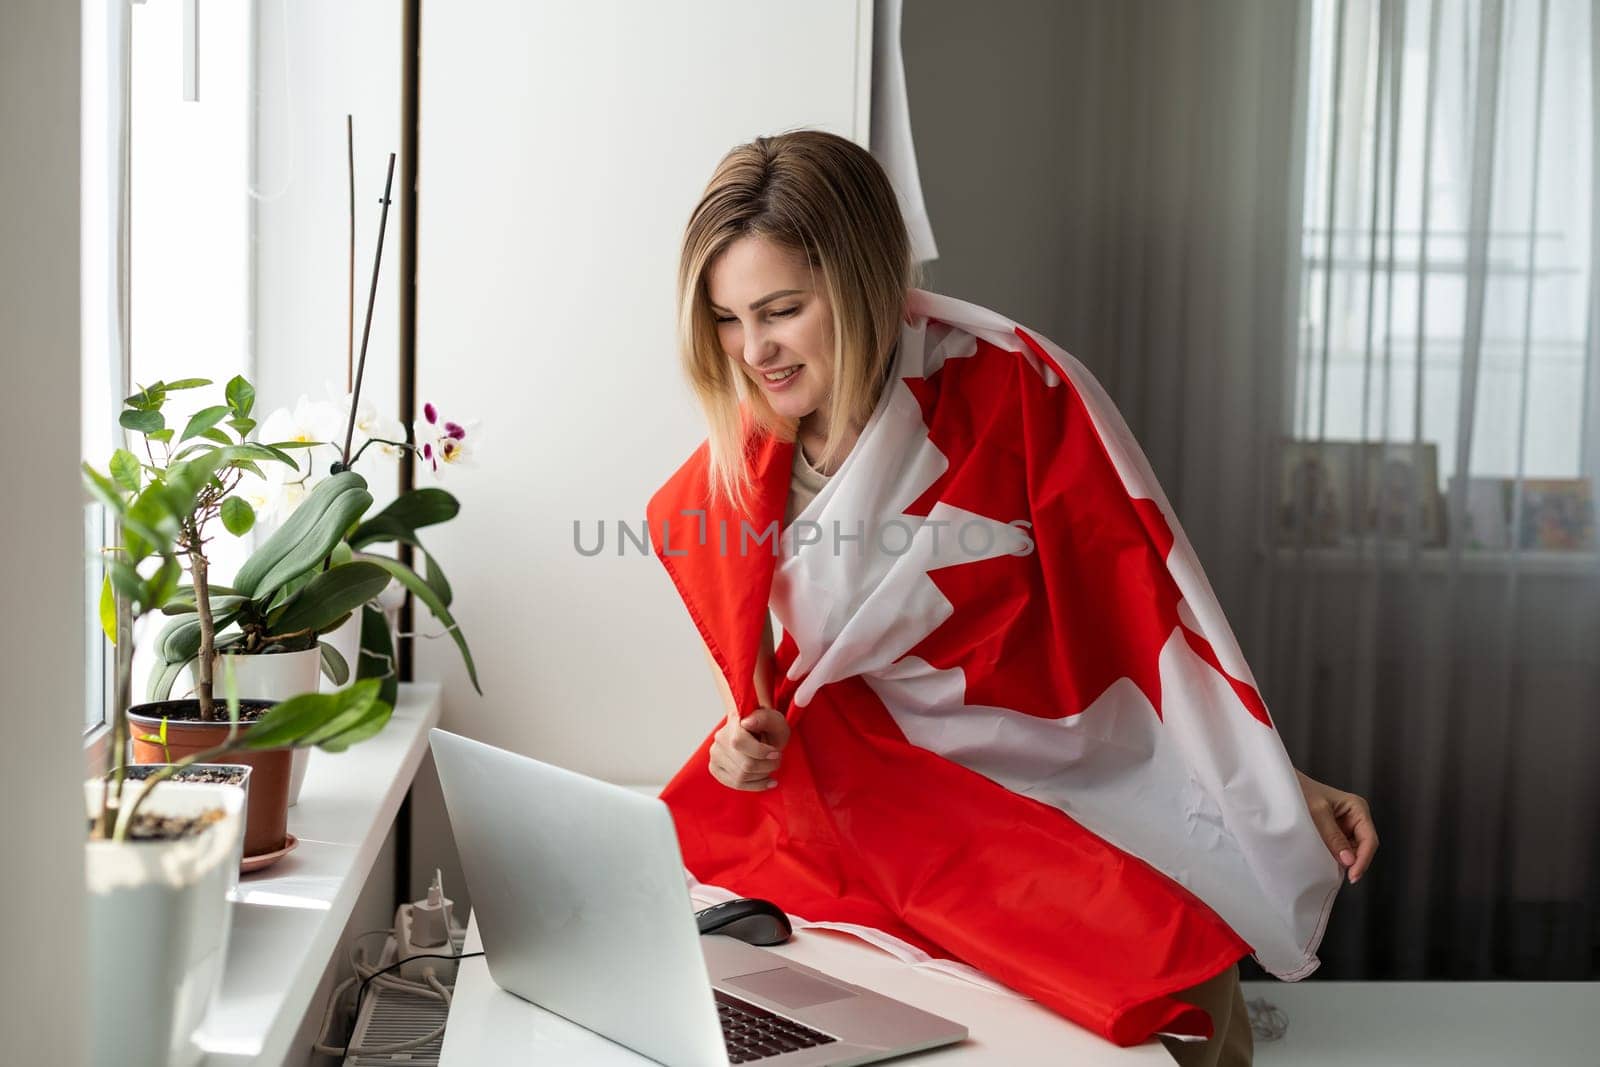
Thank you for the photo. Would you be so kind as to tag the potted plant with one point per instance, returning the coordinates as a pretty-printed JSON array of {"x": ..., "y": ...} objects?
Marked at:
[
  {"x": 161, "y": 855},
  {"x": 364, "y": 638},
  {"x": 297, "y": 585}
]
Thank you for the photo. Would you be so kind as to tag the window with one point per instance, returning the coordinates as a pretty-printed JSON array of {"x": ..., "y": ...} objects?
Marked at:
[
  {"x": 1447, "y": 247},
  {"x": 166, "y": 239}
]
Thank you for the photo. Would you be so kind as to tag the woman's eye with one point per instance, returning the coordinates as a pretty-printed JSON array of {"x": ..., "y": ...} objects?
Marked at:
[
  {"x": 719, "y": 321},
  {"x": 785, "y": 311}
]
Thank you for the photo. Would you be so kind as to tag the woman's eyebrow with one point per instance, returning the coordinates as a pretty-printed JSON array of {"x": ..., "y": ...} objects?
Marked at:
[{"x": 770, "y": 296}]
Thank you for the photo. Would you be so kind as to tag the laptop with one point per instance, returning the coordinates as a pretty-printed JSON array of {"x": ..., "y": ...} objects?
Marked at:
[{"x": 580, "y": 896}]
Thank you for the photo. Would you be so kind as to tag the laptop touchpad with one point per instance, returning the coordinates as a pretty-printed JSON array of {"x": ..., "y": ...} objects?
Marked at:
[{"x": 789, "y": 987}]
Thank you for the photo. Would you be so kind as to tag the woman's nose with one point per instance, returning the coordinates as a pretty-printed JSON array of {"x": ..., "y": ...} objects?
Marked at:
[{"x": 757, "y": 349}]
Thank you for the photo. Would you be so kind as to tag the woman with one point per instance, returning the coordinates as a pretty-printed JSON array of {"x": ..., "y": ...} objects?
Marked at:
[{"x": 1061, "y": 643}]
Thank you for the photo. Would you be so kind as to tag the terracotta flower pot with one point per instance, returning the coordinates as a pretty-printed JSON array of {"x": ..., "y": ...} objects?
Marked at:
[{"x": 267, "y": 811}]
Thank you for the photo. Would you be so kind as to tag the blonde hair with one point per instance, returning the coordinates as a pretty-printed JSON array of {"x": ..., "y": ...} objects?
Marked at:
[{"x": 826, "y": 198}]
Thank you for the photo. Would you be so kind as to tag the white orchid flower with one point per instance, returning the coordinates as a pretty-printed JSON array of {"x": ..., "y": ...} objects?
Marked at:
[{"x": 319, "y": 421}]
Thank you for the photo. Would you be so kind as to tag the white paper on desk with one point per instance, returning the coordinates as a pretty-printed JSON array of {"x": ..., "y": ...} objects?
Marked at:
[{"x": 705, "y": 895}]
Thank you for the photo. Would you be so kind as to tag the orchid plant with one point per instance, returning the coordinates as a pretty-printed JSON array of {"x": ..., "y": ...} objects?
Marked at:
[{"x": 437, "y": 443}]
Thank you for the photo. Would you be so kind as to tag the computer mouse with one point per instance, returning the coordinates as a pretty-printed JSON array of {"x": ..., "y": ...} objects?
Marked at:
[{"x": 750, "y": 919}]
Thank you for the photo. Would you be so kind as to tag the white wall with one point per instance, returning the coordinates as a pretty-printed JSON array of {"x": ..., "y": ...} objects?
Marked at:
[
  {"x": 41, "y": 542},
  {"x": 562, "y": 148}
]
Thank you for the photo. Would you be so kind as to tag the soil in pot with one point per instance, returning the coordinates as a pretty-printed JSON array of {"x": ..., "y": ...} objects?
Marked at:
[
  {"x": 267, "y": 806},
  {"x": 149, "y": 826},
  {"x": 208, "y": 773}
]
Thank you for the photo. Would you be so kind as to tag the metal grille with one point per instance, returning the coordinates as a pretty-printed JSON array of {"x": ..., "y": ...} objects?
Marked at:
[{"x": 390, "y": 1016}]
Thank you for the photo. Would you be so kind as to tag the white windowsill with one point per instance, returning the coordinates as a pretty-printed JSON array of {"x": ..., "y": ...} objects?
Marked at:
[{"x": 287, "y": 919}]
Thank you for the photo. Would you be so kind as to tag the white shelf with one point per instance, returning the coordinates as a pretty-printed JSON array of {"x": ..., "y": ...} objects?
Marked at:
[{"x": 287, "y": 919}]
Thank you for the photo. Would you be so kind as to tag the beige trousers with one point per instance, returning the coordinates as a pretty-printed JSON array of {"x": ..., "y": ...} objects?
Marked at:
[{"x": 1231, "y": 1044}]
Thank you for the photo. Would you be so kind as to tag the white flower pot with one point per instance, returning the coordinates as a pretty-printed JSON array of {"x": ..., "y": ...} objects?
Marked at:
[
  {"x": 346, "y": 641},
  {"x": 158, "y": 926},
  {"x": 275, "y": 676}
]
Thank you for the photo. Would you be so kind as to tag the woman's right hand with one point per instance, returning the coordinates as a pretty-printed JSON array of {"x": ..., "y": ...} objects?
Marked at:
[{"x": 745, "y": 751}]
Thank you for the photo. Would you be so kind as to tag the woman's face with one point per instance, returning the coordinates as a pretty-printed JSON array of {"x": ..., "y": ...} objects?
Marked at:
[{"x": 774, "y": 324}]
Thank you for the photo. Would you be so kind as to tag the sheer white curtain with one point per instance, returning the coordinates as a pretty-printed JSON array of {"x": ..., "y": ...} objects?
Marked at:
[{"x": 1434, "y": 609}]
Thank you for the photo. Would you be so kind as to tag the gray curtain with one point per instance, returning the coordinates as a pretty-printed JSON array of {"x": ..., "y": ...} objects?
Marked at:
[{"x": 1218, "y": 207}]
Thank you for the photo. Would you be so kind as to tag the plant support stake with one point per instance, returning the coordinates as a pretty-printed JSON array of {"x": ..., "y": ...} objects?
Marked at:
[{"x": 366, "y": 330}]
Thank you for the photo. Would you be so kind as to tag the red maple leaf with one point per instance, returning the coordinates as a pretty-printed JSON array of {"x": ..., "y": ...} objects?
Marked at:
[{"x": 1047, "y": 633}]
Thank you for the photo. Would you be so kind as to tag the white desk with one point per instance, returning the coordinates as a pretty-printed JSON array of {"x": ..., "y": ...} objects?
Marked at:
[
  {"x": 1431, "y": 1024},
  {"x": 489, "y": 1025}
]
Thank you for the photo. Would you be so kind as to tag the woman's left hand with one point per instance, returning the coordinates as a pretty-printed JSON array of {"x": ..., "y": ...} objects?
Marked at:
[{"x": 1345, "y": 823}]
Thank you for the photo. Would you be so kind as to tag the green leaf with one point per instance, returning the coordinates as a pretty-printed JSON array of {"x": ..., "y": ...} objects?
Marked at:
[
  {"x": 188, "y": 383},
  {"x": 183, "y": 604},
  {"x": 193, "y": 450},
  {"x": 187, "y": 480},
  {"x": 179, "y": 640},
  {"x": 125, "y": 470},
  {"x": 407, "y": 514},
  {"x": 164, "y": 436},
  {"x": 333, "y": 664},
  {"x": 203, "y": 420},
  {"x": 241, "y": 396},
  {"x": 108, "y": 609},
  {"x": 242, "y": 426},
  {"x": 436, "y": 580},
  {"x": 101, "y": 488},
  {"x": 332, "y": 594},
  {"x": 301, "y": 543},
  {"x": 163, "y": 678},
  {"x": 142, "y": 421},
  {"x": 355, "y": 705},
  {"x": 217, "y": 589},
  {"x": 149, "y": 398},
  {"x": 423, "y": 592},
  {"x": 376, "y": 659},
  {"x": 251, "y": 450},
  {"x": 162, "y": 584},
  {"x": 291, "y": 721},
  {"x": 150, "y": 526},
  {"x": 238, "y": 516},
  {"x": 217, "y": 436},
  {"x": 125, "y": 579},
  {"x": 364, "y": 717}
]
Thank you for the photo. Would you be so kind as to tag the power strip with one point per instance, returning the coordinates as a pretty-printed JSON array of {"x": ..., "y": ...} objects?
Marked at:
[{"x": 391, "y": 1017}]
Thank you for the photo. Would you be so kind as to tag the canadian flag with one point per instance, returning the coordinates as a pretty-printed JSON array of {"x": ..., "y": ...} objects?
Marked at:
[{"x": 1024, "y": 737}]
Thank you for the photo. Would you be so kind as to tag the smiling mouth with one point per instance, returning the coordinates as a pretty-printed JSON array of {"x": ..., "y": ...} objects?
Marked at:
[{"x": 782, "y": 375}]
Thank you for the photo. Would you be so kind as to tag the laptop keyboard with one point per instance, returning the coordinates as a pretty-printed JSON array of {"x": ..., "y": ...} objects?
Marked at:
[{"x": 753, "y": 1033}]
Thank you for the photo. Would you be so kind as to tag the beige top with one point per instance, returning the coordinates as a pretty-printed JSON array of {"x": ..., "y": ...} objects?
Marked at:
[{"x": 805, "y": 482}]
